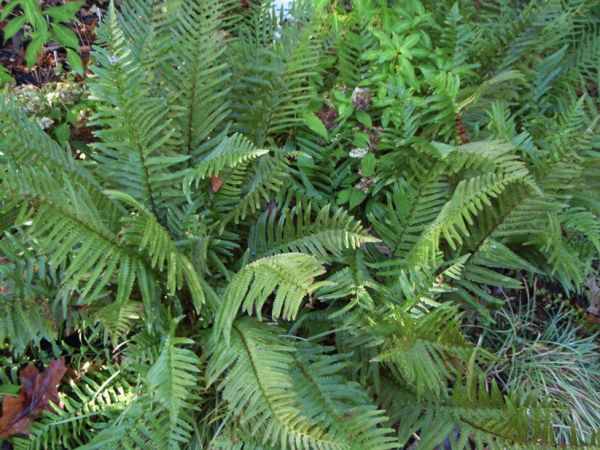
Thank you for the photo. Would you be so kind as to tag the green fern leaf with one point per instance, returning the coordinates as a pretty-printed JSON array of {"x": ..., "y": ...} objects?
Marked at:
[{"x": 290, "y": 277}]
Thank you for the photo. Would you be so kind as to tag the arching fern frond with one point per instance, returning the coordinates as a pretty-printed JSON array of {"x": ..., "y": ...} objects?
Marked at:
[
  {"x": 425, "y": 352},
  {"x": 470, "y": 197},
  {"x": 290, "y": 277},
  {"x": 473, "y": 415},
  {"x": 232, "y": 151},
  {"x": 67, "y": 226},
  {"x": 341, "y": 406},
  {"x": 328, "y": 233},
  {"x": 255, "y": 376},
  {"x": 24, "y": 143}
]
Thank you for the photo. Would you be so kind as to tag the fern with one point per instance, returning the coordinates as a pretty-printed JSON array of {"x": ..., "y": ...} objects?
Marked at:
[
  {"x": 290, "y": 277},
  {"x": 368, "y": 181},
  {"x": 268, "y": 406},
  {"x": 135, "y": 126},
  {"x": 424, "y": 352},
  {"x": 327, "y": 233},
  {"x": 172, "y": 378},
  {"x": 266, "y": 400},
  {"x": 469, "y": 415}
]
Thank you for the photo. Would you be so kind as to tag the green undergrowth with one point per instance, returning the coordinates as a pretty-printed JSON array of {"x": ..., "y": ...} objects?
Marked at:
[{"x": 299, "y": 232}]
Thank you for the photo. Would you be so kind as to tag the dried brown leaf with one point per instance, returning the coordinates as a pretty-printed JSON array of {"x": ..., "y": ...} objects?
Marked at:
[
  {"x": 215, "y": 183},
  {"x": 37, "y": 391}
]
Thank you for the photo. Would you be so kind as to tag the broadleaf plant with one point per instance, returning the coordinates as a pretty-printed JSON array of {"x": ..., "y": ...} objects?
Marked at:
[{"x": 41, "y": 26}]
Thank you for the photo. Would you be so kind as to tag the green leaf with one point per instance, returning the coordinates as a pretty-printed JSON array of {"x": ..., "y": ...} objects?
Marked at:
[
  {"x": 13, "y": 26},
  {"x": 385, "y": 118},
  {"x": 408, "y": 73},
  {"x": 371, "y": 55},
  {"x": 441, "y": 150},
  {"x": 387, "y": 55},
  {"x": 364, "y": 118},
  {"x": 362, "y": 140},
  {"x": 367, "y": 164},
  {"x": 33, "y": 49},
  {"x": 75, "y": 62},
  {"x": 34, "y": 16},
  {"x": 315, "y": 124},
  {"x": 5, "y": 76},
  {"x": 8, "y": 9},
  {"x": 344, "y": 196},
  {"x": 65, "y": 36},
  {"x": 384, "y": 39},
  {"x": 64, "y": 13},
  {"x": 9, "y": 389},
  {"x": 411, "y": 41},
  {"x": 356, "y": 198},
  {"x": 305, "y": 161},
  {"x": 62, "y": 132},
  {"x": 345, "y": 109},
  {"x": 339, "y": 96}
]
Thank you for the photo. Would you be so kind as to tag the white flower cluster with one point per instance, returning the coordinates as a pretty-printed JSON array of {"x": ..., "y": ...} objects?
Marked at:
[
  {"x": 45, "y": 122},
  {"x": 358, "y": 153}
]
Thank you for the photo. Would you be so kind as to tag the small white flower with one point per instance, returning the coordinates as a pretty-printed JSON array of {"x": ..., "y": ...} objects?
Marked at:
[
  {"x": 358, "y": 91},
  {"x": 358, "y": 153},
  {"x": 112, "y": 59},
  {"x": 51, "y": 97},
  {"x": 45, "y": 122}
]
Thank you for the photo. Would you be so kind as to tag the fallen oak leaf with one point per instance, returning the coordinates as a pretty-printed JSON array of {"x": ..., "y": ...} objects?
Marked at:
[
  {"x": 37, "y": 391},
  {"x": 13, "y": 421}
]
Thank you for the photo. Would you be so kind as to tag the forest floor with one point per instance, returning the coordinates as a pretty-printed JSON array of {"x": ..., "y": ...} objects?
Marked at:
[{"x": 51, "y": 64}]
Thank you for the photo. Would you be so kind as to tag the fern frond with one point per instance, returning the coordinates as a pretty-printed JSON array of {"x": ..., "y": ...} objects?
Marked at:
[
  {"x": 246, "y": 188},
  {"x": 467, "y": 201},
  {"x": 327, "y": 233},
  {"x": 147, "y": 28},
  {"x": 148, "y": 235},
  {"x": 343, "y": 407},
  {"x": 92, "y": 403},
  {"x": 173, "y": 379},
  {"x": 117, "y": 318},
  {"x": 67, "y": 226},
  {"x": 411, "y": 207},
  {"x": 24, "y": 143},
  {"x": 28, "y": 289},
  {"x": 472, "y": 415},
  {"x": 134, "y": 149},
  {"x": 426, "y": 352},
  {"x": 290, "y": 277},
  {"x": 270, "y": 91},
  {"x": 255, "y": 377},
  {"x": 231, "y": 152},
  {"x": 198, "y": 49}
]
